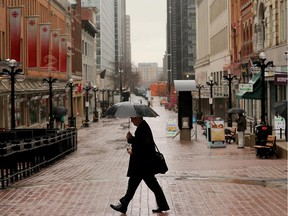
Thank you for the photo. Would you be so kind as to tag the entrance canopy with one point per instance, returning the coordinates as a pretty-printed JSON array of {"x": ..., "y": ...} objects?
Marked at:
[
  {"x": 185, "y": 85},
  {"x": 256, "y": 94}
]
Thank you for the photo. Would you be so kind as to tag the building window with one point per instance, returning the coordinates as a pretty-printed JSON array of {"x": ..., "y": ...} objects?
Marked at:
[{"x": 283, "y": 21}]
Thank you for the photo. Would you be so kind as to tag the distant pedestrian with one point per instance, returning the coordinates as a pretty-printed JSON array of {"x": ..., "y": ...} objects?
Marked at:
[
  {"x": 241, "y": 127},
  {"x": 63, "y": 122},
  {"x": 58, "y": 121},
  {"x": 141, "y": 167}
]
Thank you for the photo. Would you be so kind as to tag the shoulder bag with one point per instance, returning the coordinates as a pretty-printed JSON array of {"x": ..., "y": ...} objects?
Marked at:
[{"x": 160, "y": 165}]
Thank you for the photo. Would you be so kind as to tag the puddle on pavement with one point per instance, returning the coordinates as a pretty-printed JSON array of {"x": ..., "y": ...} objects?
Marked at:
[{"x": 279, "y": 183}]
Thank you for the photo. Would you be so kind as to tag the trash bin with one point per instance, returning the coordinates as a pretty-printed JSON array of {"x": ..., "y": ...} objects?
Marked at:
[{"x": 262, "y": 132}]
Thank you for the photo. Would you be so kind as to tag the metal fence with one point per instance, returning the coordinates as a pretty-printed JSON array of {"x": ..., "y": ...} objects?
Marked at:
[{"x": 24, "y": 152}]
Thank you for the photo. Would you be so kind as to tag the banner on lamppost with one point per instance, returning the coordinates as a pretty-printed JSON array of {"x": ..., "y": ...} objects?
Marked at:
[
  {"x": 32, "y": 31},
  {"x": 15, "y": 15},
  {"x": 55, "y": 49},
  {"x": 63, "y": 53},
  {"x": 44, "y": 45}
]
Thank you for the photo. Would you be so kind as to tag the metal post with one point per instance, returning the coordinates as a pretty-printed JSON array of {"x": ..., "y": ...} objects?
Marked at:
[
  {"x": 50, "y": 81},
  {"x": 87, "y": 88},
  {"x": 51, "y": 119},
  {"x": 211, "y": 84},
  {"x": 72, "y": 120},
  {"x": 86, "y": 106},
  {"x": 12, "y": 64},
  {"x": 211, "y": 96},
  {"x": 199, "y": 97},
  {"x": 12, "y": 75},
  {"x": 263, "y": 66},
  {"x": 230, "y": 78},
  {"x": 102, "y": 102},
  {"x": 95, "y": 117},
  {"x": 120, "y": 85}
]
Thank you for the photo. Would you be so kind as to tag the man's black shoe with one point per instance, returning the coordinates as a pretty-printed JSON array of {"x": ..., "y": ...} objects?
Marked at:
[
  {"x": 120, "y": 207},
  {"x": 159, "y": 210}
]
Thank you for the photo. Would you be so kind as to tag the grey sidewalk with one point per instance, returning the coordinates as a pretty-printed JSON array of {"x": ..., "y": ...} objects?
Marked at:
[{"x": 200, "y": 181}]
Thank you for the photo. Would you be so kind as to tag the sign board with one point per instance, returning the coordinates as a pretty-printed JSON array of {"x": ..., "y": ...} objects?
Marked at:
[
  {"x": 279, "y": 123},
  {"x": 217, "y": 130},
  {"x": 246, "y": 87},
  {"x": 171, "y": 127}
]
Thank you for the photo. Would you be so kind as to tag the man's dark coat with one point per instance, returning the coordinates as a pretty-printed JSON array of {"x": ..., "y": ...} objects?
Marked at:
[{"x": 143, "y": 152}]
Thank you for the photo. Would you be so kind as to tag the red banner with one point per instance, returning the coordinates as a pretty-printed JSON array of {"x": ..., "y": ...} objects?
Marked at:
[
  {"x": 32, "y": 30},
  {"x": 63, "y": 53},
  {"x": 44, "y": 46},
  {"x": 15, "y": 15},
  {"x": 55, "y": 49}
]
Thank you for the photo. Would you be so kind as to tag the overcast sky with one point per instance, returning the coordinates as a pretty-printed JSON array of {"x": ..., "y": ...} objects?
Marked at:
[{"x": 148, "y": 30}]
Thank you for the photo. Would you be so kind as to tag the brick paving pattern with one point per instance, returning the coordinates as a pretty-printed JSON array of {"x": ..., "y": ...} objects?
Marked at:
[{"x": 200, "y": 181}]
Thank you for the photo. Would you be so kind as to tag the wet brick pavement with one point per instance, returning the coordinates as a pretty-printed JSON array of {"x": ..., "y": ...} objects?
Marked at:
[{"x": 200, "y": 181}]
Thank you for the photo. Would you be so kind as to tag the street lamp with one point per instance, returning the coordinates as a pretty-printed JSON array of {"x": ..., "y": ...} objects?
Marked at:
[
  {"x": 211, "y": 83},
  {"x": 263, "y": 66},
  {"x": 95, "y": 116},
  {"x": 50, "y": 81},
  {"x": 86, "y": 88},
  {"x": 120, "y": 85},
  {"x": 12, "y": 64},
  {"x": 108, "y": 97},
  {"x": 102, "y": 102},
  {"x": 230, "y": 78},
  {"x": 71, "y": 120},
  {"x": 199, "y": 86}
]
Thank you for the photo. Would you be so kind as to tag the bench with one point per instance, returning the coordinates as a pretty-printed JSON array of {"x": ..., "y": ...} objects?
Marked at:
[
  {"x": 267, "y": 147},
  {"x": 230, "y": 135}
]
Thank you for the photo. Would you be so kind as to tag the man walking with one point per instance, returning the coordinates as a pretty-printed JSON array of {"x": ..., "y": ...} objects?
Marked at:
[{"x": 141, "y": 167}]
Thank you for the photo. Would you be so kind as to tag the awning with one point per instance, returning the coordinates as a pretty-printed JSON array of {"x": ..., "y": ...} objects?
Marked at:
[
  {"x": 256, "y": 94},
  {"x": 185, "y": 85}
]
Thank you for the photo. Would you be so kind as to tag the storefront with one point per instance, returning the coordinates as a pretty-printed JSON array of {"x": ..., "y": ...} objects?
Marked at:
[{"x": 31, "y": 103}]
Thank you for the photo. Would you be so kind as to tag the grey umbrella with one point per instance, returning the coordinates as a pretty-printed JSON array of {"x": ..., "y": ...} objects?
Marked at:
[
  {"x": 60, "y": 111},
  {"x": 236, "y": 110},
  {"x": 130, "y": 109}
]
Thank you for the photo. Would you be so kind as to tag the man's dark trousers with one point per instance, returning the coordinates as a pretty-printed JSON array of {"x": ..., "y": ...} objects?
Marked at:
[{"x": 153, "y": 185}]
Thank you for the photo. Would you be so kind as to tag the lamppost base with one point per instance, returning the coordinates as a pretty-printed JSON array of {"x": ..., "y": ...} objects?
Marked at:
[
  {"x": 229, "y": 123},
  {"x": 85, "y": 124},
  {"x": 50, "y": 125},
  {"x": 72, "y": 121},
  {"x": 95, "y": 117}
]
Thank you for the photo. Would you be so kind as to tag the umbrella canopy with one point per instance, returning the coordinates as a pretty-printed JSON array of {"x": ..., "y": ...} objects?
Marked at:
[
  {"x": 60, "y": 111},
  {"x": 236, "y": 110},
  {"x": 129, "y": 109},
  {"x": 281, "y": 108}
]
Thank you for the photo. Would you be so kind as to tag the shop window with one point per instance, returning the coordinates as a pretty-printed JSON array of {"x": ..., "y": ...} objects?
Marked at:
[
  {"x": 43, "y": 111},
  {"x": 33, "y": 112},
  {"x": 19, "y": 118}
]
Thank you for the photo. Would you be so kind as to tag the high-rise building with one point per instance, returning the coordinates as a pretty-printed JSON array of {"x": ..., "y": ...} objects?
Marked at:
[
  {"x": 181, "y": 39},
  {"x": 148, "y": 73},
  {"x": 105, "y": 39}
]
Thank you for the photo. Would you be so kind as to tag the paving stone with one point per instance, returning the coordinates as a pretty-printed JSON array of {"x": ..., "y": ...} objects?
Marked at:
[{"x": 201, "y": 181}]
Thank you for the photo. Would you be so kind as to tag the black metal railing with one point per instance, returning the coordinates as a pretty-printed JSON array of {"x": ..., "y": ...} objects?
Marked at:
[{"x": 24, "y": 152}]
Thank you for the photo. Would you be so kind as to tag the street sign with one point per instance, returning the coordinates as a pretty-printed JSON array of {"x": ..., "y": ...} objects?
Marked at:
[{"x": 246, "y": 87}]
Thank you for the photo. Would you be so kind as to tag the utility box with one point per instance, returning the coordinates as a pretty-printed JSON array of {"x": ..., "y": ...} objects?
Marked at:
[{"x": 185, "y": 113}]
